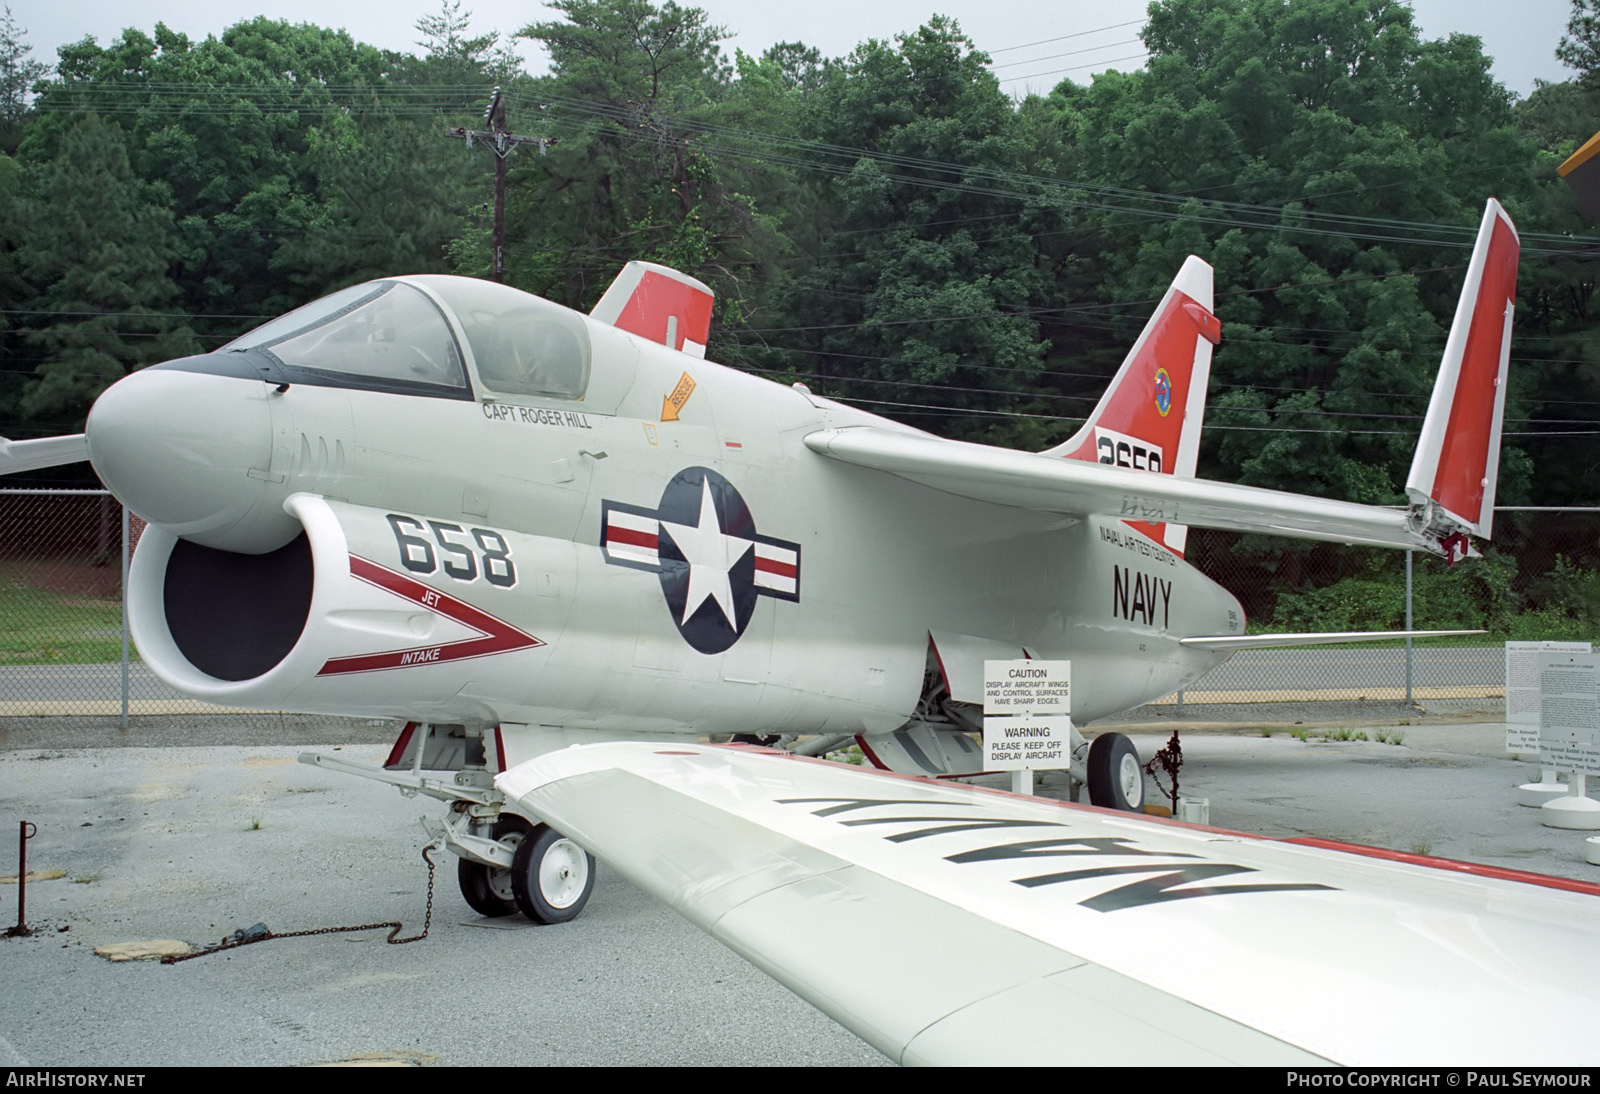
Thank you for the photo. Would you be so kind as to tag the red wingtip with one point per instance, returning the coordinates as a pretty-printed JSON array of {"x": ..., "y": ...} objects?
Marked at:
[{"x": 1458, "y": 454}]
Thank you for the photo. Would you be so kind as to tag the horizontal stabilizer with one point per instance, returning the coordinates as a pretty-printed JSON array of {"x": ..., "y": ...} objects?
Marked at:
[
  {"x": 1308, "y": 638},
  {"x": 19, "y": 456},
  {"x": 1450, "y": 488}
]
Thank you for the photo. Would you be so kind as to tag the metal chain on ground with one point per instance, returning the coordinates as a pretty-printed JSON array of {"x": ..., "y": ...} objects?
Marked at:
[
  {"x": 1168, "y": 759},
  {"x": 395, "y": 927}
]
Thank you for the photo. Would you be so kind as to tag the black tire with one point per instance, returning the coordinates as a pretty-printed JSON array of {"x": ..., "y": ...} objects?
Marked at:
[
  {"x": 1116, "y": 781},
  {"x": 552, "y": 877},
  {"x": 487, "y": 889}
]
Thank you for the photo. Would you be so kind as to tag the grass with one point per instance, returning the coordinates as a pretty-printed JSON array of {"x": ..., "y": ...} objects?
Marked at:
[
  {"x": 1345, "y": 733},
  {"x": 45, "y": 628}
]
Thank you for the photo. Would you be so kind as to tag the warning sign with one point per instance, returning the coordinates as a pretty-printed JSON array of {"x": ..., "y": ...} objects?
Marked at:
[{"x": 1027, "y": 715}]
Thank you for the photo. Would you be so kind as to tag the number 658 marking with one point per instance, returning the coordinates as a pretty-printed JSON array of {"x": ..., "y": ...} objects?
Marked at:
[{"x": 492, "y": 558}]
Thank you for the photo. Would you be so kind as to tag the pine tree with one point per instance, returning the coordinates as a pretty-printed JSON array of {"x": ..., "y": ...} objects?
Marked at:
[{"x": 17, "y": 73}]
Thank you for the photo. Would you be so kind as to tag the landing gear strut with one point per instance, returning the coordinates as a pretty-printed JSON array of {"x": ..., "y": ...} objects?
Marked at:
[
  {"x": 508, "y": 863},
  {"x": 487, "y": 889}
]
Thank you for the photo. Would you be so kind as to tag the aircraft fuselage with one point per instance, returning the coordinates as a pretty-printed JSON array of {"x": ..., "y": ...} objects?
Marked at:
[{"x": 661, "y": 553}]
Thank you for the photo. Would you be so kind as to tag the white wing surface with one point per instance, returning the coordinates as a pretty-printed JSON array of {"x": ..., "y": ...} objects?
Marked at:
[
  {"x": 19, "y": 456},
  {"x": 1308, "y": 638},
  {"x": 1033, "y": 481},
  {"x": 950, "y": 925},
  {"x": 1450, "y": 487}
]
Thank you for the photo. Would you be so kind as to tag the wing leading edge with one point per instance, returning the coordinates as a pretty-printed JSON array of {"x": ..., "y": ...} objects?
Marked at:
[
  {"x": 996, "y": 929},
  {"x": 1030, "y": 481},
  {"x": 19, "y": 456}
]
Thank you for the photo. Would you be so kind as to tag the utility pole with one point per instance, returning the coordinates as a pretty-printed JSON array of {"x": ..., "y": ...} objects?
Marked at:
[{"x": 501, "y": 143}]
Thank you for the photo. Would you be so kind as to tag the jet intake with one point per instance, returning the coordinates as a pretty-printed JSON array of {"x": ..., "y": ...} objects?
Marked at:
[
  {"x": 365, "y": 612},
  {"x": 235, "y": 616}
]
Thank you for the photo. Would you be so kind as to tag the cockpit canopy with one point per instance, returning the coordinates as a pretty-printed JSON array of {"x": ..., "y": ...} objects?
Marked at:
[{"x": 395, "y": 335}]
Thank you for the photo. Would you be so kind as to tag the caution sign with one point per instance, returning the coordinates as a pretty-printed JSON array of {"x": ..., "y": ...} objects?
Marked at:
[{"x": 1027, "y": 715}]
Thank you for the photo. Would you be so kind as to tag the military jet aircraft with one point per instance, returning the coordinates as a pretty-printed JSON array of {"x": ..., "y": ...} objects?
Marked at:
[{"x": 516, "y": 527}]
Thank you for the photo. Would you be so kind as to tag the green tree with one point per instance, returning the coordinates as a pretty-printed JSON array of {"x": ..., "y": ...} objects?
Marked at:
[
  {"x": 18, "y": 73},
  {"x": 97, "y": 245},
  {"x": 222, "y": 128},
  {"x": 1580, "y": 46},
  {"x": 1305, "y": 149},
  {"x": 638, "y": 99},
  {"x": 923, "y": 265},
  {"x": 454, "y": 57}
]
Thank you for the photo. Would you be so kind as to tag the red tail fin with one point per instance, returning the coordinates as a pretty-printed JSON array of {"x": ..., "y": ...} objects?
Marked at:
[
  {"x": 1458, "y": 455},
  {"x": 1150, "y": 417},
  {"x": 660, "y": 304}
]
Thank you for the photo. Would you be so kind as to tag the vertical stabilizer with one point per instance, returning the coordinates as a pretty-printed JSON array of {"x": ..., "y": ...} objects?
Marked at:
[
  {"x": 1150, "y": 417},
  {"x": 661, "y": 304},
  {"x": 1458, "y": 455}
]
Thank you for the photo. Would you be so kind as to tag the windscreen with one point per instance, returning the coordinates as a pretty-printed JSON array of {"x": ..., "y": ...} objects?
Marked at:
[{"x": 382, "y": 330}]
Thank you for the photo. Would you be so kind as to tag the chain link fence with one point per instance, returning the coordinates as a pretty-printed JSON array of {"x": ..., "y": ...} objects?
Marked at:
[
  {"x": 64, "y": 653},
  {"x": 65, "y": 658},
  {"x": 1539, "y": 580}
]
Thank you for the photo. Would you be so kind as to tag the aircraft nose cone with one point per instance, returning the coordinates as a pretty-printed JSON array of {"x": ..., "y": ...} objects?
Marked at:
[{"x": 178, "y": 447}]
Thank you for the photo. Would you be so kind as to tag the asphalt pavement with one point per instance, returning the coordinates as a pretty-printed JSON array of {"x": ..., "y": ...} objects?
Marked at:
[{"x": 193, "y": 842}]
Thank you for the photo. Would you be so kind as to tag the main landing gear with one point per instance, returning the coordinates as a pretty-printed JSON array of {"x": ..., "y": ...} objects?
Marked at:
[
  {"x": 1115, "y": 776},
  {"x": 549, "y": 879},
  {"x": 508, "y": 864}
]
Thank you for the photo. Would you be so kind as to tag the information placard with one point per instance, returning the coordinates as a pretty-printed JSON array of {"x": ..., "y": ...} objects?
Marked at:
[
  {"x": 1569, "y": 709},
  {"x": 1027, "y": 715},
  {"x": 1522, "y": 690}
]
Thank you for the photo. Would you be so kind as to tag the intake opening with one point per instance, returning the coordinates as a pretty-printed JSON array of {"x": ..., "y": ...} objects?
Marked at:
[{"x": 235, "y": 616}]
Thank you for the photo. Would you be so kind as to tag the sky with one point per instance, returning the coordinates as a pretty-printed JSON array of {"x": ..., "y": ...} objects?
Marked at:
[{"x": 1034, "y": 43}]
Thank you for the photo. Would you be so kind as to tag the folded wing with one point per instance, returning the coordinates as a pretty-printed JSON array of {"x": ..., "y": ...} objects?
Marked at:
[{"x": 1451, "y": 485}]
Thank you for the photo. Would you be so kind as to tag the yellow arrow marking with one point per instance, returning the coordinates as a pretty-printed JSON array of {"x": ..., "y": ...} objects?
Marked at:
[{"x": 672, "y": 405}]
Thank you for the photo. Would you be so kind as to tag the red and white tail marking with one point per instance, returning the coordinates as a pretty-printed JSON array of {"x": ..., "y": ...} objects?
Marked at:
[
  {"x": 1458, "y": 455},
  {"x": 1150, "y": 417},
  {"x": 660, "y": 304}
]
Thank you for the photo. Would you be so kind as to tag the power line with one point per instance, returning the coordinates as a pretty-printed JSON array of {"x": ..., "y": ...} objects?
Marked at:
[{"x": 1064, "y": 37}]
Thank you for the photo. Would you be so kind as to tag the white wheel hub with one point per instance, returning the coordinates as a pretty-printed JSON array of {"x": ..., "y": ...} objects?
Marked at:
[
  {"x": 499, "y": 879},
  {"x": 563, "y": 874},
  {"x": 1132, "y": 780}
]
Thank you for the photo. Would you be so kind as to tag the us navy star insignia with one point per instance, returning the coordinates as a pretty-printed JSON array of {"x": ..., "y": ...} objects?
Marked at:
[{"x": 711, "y": 561}]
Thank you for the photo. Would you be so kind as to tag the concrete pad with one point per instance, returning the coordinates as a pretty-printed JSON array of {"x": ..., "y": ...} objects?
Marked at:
[{"x": 192, "y": 843}]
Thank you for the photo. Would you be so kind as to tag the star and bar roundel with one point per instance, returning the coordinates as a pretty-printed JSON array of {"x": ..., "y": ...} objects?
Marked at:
[{"x": 702, "y": 543}]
